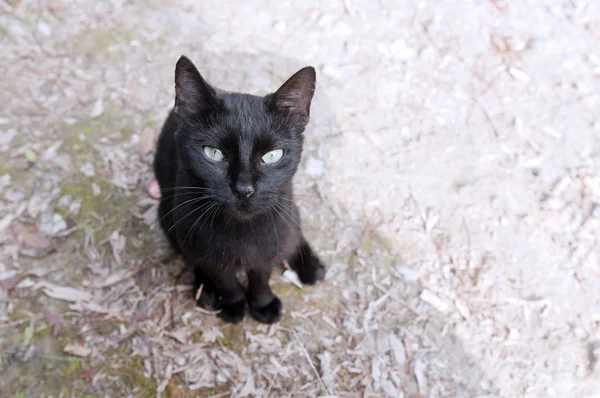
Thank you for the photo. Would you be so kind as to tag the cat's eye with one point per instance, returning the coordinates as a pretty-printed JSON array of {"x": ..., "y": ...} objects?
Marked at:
[
  {"x": 213, "y": 153},
  {"x": 273, "y": 156}
]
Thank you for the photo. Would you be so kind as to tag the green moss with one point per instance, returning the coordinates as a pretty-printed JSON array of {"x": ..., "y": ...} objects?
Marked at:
[
  {"x": 71, "y": 368},
  {"x": 174, "y": 391},
  {"x": 4, "y": 30},
  {"x": 100, "y": 43},
  {"x": 287, "y": 290},
  {"x": 233, "y": 336}
]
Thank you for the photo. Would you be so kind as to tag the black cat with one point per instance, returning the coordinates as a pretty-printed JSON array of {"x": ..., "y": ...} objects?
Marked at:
[{"x": 225, "y": 163}]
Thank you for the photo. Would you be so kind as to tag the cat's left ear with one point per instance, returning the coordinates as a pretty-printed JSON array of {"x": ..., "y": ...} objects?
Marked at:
[
  {"x": 193, "y": 95},
  {"x": 295, "y": 95}
]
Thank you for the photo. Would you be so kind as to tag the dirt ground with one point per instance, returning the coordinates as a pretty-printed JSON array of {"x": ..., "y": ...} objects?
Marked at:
[{"x": 451, "y": 181}]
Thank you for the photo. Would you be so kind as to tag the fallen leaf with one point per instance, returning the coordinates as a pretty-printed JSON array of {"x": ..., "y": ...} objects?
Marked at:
[
  {"x": 12, "y": 283},
  {"x": 28, "y": 335},
  {"x": 117, "y": 243},
  {"x": 291, "y": 277},
  {"x": 398, "y": 350},
  {"x": 77, "y": 350},
  {"x": 248, "y": 388},
  {"x": 434, "y": 301},
  {"x": 5, "y": 222},
  {"x": 89, "y": 373},
  {"x": 54, "y": 321},
  {"x": 98, "y": 108},
  {"x": 93, "y": 307},
  {"x": 63, "y": 292},
  {"x": 113, "y": 278},
  {"x": 32, "y": 238},
  {"x": 30, "y": 155},
  {"x": 7, "y": 274}
]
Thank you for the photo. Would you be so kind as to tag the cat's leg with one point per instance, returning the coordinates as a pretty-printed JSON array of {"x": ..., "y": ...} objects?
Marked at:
[
  {"x": 221, "y": 291},
  {"x": 307, "y": 264},
  {"x": 265, "y": 306},
  {"x": 208, "y": 295}
]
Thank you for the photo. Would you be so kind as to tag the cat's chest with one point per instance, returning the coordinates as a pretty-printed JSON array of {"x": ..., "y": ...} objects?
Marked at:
[{"x": 241, "y": 246}]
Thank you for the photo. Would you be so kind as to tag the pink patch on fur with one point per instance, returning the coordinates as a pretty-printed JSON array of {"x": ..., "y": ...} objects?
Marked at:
[{"x": 154, "y": 189}]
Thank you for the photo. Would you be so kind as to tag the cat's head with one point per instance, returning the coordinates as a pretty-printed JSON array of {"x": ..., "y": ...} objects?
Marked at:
[{"x": 243, "y": 149}]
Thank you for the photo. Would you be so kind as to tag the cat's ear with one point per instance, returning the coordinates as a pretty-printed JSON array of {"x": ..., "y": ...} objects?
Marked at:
[
  {"x": 295, "y": 95},
  {"x": 193, "y": 95}
]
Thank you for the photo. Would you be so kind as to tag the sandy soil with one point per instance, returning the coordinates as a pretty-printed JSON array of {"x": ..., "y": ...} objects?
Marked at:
[{"x": 451, "y": 181}]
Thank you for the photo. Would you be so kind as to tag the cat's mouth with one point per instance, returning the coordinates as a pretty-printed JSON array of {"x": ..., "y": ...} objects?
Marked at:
[{"x": 243, "y": 209}]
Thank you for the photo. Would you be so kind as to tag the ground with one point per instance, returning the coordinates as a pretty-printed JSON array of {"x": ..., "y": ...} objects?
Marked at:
[{"x": 451, "y": 181}]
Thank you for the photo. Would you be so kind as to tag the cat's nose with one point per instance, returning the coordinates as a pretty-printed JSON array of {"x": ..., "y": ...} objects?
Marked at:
[{"x": 243, "y": 190}]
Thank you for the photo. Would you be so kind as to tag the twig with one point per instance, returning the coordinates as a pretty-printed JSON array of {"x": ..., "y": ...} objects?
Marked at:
[
  {"x": 310, "y": 362},
  {"x": 285, "y": 353}
]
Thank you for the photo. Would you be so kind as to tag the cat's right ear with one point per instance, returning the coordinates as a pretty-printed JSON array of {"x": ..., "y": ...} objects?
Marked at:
[{"x": 193, "y": 95}]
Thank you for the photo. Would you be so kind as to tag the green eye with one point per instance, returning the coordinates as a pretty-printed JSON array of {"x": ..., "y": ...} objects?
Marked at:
[
  {"x": 213, "y": 153},
  {"x": 273, "y": 156}
]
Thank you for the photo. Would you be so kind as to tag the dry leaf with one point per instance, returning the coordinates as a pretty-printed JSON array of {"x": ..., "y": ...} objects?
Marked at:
[
  {"x": 34, "y": 243},
  {"x": 12, "y": 283},
  {"x": 398, "y": 350},
  {"x": 63, "y": 293},
  {"x": 89, "y": 373},
  {"x": 434, "y": 301},
  {"x": 98, "y": 108},
  {"x": 5, "y": 221},
  {"x": 248, "y": 389},
  {"x": 291, "y": 277},
  {"x": 117, "y": 243},
  {"x": 54, "y": 321},
  {"x": 77, "y": 350},
  {"x": 113, "y": 278}
]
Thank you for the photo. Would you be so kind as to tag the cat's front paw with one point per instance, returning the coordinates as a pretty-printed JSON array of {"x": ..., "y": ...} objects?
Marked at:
[
  {"x": 269, "y": 313},
  {"x": 234, "y": 312},
  {"x": 208, "y": 299}
]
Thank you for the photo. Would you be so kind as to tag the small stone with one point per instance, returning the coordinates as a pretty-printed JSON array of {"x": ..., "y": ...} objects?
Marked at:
[
  {"x": 315, "y": 167},
  {"x": 519, "y": 75},
  {"x": 280, "y": 26},
  {"x": 343, "y": 29},
  {"x": 401, "y": 51},
  {"x": 332, "y": 71},
  {"x": 96, "y": 189},
  {"x": 513, "y": 334},
  {"x": 407, "y": 273},
  {"x": 221, "y": 379},
  {"x": 52, "y": 224},
  {"x": 44, "y": 29}
]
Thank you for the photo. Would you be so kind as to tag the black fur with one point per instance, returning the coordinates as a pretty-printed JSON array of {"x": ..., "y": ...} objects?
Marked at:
[{"x": 236, "y": 214}]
